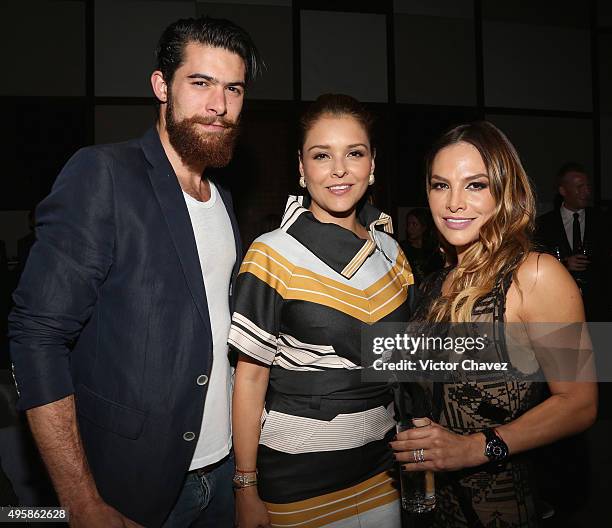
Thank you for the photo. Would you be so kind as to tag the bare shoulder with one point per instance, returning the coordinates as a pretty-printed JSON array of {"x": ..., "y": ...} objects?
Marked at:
[
  {"x": 545, "y": 291},
  {"x": 542, "y": 271}
]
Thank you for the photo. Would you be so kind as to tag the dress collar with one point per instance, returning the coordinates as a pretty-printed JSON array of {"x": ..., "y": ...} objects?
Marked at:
[{"x": 339, "y": 248}]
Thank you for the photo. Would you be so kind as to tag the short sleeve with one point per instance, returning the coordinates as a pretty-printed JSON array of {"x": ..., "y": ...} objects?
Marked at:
[{"x": 260, "y": 288}]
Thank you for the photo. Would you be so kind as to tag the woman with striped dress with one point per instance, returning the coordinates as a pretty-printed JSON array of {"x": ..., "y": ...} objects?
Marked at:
[{"x": 310, "y": 437}]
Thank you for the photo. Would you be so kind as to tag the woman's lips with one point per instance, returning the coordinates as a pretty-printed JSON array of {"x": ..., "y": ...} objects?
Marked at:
[
  {"x": 339, "y": 190},
  {"x": 457, "y": 223}
]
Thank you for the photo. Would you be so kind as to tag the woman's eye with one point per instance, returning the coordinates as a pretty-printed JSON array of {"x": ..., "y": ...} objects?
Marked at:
[
  {"x": 438, "y": 185},
  {"x": 319, "y": 156},
  {"x": 356, "y": 154},
  {"x": 478, "y": 186}
]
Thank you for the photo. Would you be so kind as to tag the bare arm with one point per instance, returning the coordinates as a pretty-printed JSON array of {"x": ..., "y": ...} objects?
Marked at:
[
  {"x": 550, "y": 295},
  {"x": 249, "y": 395},
  {"x": 55, "y": 430}
]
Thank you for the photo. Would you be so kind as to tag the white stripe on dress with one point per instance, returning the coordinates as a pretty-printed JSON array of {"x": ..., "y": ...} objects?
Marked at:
[
  {"x": 297, "y": 434},
  {"x": 307, "y": 356}
]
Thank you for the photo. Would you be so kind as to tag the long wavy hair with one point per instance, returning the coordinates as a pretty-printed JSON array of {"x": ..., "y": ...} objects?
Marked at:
[{"x": 504, "y": 240}]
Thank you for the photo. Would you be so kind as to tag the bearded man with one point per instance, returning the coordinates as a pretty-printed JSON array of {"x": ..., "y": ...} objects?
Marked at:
[{"x": 119, "y": 331}]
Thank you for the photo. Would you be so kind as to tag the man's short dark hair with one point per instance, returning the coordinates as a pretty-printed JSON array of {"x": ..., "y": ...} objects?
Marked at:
[
  {"x": 214, "y": 32},
  {"x": 566, "y": 168}
]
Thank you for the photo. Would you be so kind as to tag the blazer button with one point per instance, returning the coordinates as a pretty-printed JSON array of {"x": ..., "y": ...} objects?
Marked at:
[
  {"x": 188, "y": 436},
  {"x": 202, "y": 379}
]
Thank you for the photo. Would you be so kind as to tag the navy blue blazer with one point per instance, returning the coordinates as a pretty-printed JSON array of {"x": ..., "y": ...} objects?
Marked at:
[{"x": 112, "y": 308}]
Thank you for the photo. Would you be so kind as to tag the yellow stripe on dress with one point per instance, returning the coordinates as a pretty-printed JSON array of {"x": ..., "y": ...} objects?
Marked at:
[
  {"x": 292, "y": 282},
  {"x": 332, "y": 507}
]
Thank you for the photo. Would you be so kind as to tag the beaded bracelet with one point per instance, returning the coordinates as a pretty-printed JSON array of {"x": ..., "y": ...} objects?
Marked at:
[{"x": 241, "y": 480}]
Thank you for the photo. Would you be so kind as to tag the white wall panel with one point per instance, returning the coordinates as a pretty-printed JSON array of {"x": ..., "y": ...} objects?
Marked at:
[
  {"x": 271, "y": 29},
  {"x": 604, "y": 13},
  {"x": 344, "y": 53},
  {"x": 45, "y": 44},
  {"x": 605, "y": 73},
  {"x": 438, "y": 8},
  {"x": 528, "y": 66},
  {"x": 120, "y": 123},
  {"x": 281, "y": 3},
  {"x": 546, "y": 143},
  {"x": 126, "y": 34},
  {"x": 435, "y": 60},
  {"x": 606, "y": 156}
]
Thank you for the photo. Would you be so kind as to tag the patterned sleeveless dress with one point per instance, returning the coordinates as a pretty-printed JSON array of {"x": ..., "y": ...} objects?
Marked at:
[{"x": 485, "y": 496}]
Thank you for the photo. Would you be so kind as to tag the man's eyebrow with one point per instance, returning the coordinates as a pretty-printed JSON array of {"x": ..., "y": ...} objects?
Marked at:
[{"x": 214, "y": 80}]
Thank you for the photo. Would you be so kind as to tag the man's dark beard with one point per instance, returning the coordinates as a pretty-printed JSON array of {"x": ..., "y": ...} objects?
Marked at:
[{"x": 200, "y": 149}]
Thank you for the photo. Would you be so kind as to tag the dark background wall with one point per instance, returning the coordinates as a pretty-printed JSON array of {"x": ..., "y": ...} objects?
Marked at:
[{"x": 77, "y": 72}]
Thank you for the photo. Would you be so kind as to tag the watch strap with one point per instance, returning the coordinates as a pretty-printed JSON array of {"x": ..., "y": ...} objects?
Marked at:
[{"x": 490, "y": 434}]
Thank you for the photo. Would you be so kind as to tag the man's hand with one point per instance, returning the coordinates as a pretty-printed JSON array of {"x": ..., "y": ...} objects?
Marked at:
[
  {"x": 576, "y": 262},
  {"x": 55, "y": 429},
  {"x": 98, "y": 514}
]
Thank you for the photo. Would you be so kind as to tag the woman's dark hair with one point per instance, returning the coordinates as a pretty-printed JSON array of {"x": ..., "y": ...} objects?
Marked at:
[
  {"x": 335, "y": 105},
  {"x": 423, "y": 216},
  {"x": 214, "y": 32}
]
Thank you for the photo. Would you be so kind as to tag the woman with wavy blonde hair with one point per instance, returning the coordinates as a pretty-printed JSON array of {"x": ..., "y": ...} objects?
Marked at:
[
  {"x": 504, "y": 241},
  {"x": 483, "y": 423}
]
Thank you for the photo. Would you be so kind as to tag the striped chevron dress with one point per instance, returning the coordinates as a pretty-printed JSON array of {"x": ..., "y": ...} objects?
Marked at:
[{"x": 303, "y": 295}]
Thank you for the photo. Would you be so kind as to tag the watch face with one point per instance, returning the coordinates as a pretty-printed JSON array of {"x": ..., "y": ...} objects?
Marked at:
[{"x": 496, "y": 449}]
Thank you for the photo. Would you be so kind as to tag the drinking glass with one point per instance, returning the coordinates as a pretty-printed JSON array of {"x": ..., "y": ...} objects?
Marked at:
[{"x": 417, "y": 487}]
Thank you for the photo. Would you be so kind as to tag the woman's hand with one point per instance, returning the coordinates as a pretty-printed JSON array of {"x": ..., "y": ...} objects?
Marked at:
[
  {"x": 251, "y": 512},
  {"x": 443, "y": 450}
]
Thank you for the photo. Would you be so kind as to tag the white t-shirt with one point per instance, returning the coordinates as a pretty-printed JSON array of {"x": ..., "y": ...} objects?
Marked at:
[{"x": 217, "y": 252}]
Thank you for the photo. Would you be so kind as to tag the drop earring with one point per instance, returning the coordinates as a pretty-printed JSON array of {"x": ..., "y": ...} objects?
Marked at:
[
  {"x": 372, "y": 179},
  {"x": 302, "y": 182}
]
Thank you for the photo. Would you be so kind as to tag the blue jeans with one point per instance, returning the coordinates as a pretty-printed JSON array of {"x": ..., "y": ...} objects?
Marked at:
[{"x": 206, "y": 500}]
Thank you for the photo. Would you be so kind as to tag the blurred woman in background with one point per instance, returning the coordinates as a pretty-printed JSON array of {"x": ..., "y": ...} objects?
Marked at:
[{"x": 421, "y": 245}]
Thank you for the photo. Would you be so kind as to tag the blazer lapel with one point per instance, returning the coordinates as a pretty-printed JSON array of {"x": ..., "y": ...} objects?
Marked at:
[
  {"x": 174, "y": 209},
  {"x": 589, "y": 224},
  {"x": 566, "y": 248}
]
